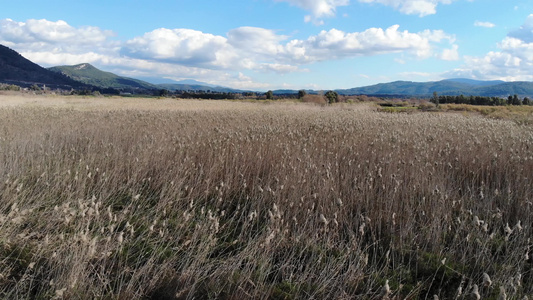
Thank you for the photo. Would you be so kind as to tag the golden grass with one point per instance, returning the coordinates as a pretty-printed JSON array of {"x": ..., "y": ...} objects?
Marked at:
[
  {"x": 169, "y": 199},
  {"x": 520, "y": 113}
]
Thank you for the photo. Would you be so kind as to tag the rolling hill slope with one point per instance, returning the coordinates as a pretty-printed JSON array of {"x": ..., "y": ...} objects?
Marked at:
[
  {"x": 15, "y": 69},
  {"x": 446, "y": 87},
  {"x": 88, "y": 74}
]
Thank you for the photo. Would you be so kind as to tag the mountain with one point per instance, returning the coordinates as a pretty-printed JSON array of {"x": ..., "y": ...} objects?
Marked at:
[
  {"x": 15, "y": 69},
  {"x": 476, "y": 82},
  {"x": 459, "y": 86},
  {"x": 194, "y": 82},
  {"x": 88, "y": 74},
  {"x": 197, "y": 87}
]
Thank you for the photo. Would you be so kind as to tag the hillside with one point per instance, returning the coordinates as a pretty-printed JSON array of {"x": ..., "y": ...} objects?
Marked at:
[
  {"x": 445, "y": 87},
  {"x": 88, "y": 74},
  {"x": 15, "y": 69},
  {"x": 197, "y": 87}
]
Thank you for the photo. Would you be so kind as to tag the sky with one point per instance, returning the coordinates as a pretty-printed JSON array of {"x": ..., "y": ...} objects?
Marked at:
[{"x": 278, "y": 44}]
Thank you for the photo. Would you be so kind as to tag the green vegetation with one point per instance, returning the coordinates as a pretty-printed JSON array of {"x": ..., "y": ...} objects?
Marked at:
[
  {"x": 9, "y": 87},
  {"x": 478, "y": 100},
  {"x": 333, "y": 97},
  {"x": 88, "y": 74},
  {"x": 448, "y": 87}
]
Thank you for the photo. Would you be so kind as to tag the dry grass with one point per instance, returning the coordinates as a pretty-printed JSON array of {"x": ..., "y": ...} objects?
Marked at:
[
  {"x": 167, "y": 199},
  {"x": 519, "y": 113}
]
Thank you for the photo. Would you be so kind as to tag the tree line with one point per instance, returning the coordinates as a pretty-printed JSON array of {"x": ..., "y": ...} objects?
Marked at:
[{"x": 481, "y": 100}]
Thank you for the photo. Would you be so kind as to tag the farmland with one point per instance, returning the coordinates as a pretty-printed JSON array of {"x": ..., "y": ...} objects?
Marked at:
[{"x": 179, "y": 199}]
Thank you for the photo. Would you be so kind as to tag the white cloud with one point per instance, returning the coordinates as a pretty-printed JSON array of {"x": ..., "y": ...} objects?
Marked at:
[
  {"x": 338, "y": 44},
  {"x": 181, "y": 46},
  {"x": 414, "y": 74},
  {"x": 262, "y": 49},
  {"x": 450, "y": 54},
  {"x": 52, "y": 35},
  {"x": 400, "y": 61},
  {"x": 513, "y": 61},
  {"x": 186, "y": 53},
  {"x": 57, "y": 43},
  {"x": 256, "y": 40},
  {"x": 484, "y": 24},
  {"x": 318, "y": 8},
  {"x": 412, "y": 7},
  {"x": 280, "y": 68}
]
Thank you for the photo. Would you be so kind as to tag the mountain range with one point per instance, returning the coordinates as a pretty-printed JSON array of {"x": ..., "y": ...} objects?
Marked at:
[
  {"x": 456, "y": 86},
  {"x": 89, "y": 74},
  {"x": 15, "y": 69}
]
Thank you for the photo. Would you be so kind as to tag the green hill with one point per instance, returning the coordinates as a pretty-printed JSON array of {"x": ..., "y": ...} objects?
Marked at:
[
  {"x": 446, "y": 87},
  {"x": 197, "y": 87},
  {"x": 88, "y": 74},
  {"x": 15, "y": 69}
]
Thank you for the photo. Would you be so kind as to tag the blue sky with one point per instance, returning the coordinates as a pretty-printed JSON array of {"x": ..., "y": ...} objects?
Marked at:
[{"x": 273, "y": 44}]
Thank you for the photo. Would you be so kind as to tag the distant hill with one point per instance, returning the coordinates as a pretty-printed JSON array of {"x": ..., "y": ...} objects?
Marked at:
[
  {"x": 197, "y": 87},
  {"x": 88, "y": 74},
  {"x": 15, "y": 69},
  {"x": 476, "y": 82},
  {"x": 446, "y": 87},
  {"x": 194, "y": 82}
]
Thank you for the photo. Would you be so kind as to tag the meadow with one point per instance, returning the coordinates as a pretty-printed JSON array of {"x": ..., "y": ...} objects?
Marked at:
[{"x": 179, "y": 199}]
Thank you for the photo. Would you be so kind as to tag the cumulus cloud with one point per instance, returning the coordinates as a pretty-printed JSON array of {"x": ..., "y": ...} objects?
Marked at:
[
  {"x": 513, "y": 61},
  {"x": 178, "y": 53},
  {"x": 484, "y": 24},
  {"x": 450, "y": 54},
  {"x": 318, "y": 8},
  {"x": 180, "y": 46},
  {"x": 44, "y": 33},
  {"x": 263, "y": 49},
  {"x": 338, "y": 44},
  {"x": 328, "y": 8},
  {"x": 56, "y": 43},
  {"x": 256, "y": 40},
  {"x": 412, "y": 7}
]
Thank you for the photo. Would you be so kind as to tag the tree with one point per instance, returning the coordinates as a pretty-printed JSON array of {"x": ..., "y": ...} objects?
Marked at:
[
  {"x": 516, "y": 101},
  {"x": 269, "y": 95},
  {"x": 163, "y": 93},
  {"x": 301, "y": 94},
  {"x": 435, "y": 99},
  {"x": 332, "y": 97},
  {"x": 526, "y": 101}
]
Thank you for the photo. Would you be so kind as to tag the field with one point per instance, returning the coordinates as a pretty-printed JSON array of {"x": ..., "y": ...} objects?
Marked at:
[{"x": 170, "y": 199}]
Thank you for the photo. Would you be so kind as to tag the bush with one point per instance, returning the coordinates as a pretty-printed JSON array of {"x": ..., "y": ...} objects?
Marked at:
[
  {"x": 9, "y": 87},
  {"x": 427, "y": 106},
  {"x": 314, "y": 99}
]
